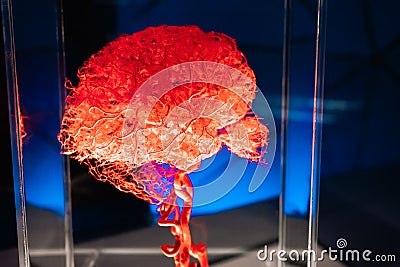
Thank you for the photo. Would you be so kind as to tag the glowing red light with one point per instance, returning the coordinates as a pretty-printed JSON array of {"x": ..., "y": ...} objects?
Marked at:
[
  {"x": 96, "y": 112},
  {"x": 23, "y": 132}
]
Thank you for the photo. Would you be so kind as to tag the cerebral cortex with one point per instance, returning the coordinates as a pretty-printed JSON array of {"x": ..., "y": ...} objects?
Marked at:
[{"x": 140, "y": 147}]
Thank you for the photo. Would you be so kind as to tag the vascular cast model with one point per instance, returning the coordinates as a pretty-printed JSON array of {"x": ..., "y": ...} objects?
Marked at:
[{"x": 144, "y": 135}]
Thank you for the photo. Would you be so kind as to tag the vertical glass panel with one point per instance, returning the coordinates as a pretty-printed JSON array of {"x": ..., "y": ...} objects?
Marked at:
[
  {"x": 34, "y": 32},
  {"x": 15, "y": 133},
  {"x": 302, "y": 123},
  {"x": 359, "y": 188}
]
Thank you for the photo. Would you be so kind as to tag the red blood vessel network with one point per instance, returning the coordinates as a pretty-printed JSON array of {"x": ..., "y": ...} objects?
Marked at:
[{"x": 99, "y": 127}]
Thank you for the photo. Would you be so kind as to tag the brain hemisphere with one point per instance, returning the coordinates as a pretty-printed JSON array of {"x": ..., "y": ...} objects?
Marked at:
[{"x": 181, "y": 127}]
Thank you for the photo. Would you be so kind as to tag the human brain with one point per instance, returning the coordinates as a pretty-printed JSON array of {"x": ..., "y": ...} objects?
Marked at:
[{"x": 135, "y": 132}]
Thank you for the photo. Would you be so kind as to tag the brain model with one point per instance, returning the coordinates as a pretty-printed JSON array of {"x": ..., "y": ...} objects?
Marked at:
[{"x": 150, "y": 106}]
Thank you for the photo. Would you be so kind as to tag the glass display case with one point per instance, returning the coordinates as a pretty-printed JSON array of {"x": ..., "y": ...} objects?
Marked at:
[{"x": 68, "y": 64}]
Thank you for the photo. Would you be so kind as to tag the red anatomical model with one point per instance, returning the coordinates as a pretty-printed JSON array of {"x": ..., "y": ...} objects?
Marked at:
[{"x": 144, "y": 137}]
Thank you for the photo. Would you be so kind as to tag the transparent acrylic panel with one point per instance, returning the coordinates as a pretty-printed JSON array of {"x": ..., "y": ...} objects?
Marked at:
[
  {"x": 35, "y": 69},
  {"x": 302, "y": 96},
  {"x": 359, "y": 186}
]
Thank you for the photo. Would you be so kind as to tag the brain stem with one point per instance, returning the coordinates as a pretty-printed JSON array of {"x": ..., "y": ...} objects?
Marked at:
[{"x": 178, "y": 219}]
